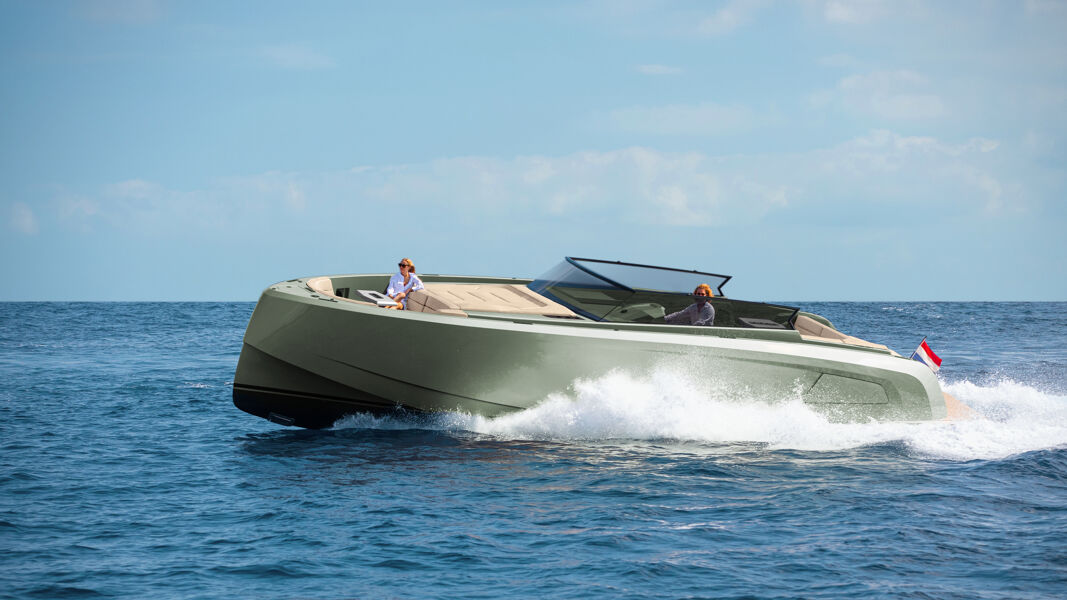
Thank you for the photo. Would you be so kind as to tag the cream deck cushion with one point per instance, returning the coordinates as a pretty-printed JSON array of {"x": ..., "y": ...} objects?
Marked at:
[
  {"x": 454, "y": 298},
  {"x": 322, "y": 285},
  {"x": 811, "y": 329}
]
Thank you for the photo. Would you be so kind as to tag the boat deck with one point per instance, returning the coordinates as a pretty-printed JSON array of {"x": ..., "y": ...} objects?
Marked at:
[{"x": 470, "y": 299}]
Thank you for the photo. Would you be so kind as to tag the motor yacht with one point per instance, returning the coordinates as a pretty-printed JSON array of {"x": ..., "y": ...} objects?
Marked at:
[{"x": 320, "y": 348}]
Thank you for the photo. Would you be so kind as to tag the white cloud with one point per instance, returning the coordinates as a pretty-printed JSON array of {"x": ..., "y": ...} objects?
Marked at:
[
  {"x": 150, "y": 208},
  {"x": 571, "y": 198},
  {"x": 885, "y": 150},
  {"x": 22, "y": 219},
  {"x": 658, "y": 70},
  {"x": 675, "y": 189},
  {"x": 729, "y": 17},
  {"x": 296, "y": 56},
  {"x": 77, "y": 210},
  {"x": 683, "y": 119},
  {"x": 295, "y": 197},
  {"x": 867, "y": 12},
  {"x": 77, "y": 207},
  {"x": 856, "y": 11},
  {"x": 633, "y": 184},
  {"x": 901, "y": 94},
  {"x": 1038, "y": 142},
  {"x": 900, "y": 174},
  {"x": 989, "y": 189},
  {"x": 863, "y": 12},
  {"x": 920, "y": 170},
  {"x": 540, "y": 169},
  {"x": 135, "y": 189}
]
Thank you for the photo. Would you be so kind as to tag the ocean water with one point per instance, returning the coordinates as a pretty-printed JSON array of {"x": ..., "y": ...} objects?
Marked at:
[{"x": 126, "y": 472}]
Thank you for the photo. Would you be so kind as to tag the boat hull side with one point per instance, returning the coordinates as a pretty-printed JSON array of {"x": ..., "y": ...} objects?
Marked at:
[
  {"x": 289, "y": 395},
  {"x": 328, "y": 359}
]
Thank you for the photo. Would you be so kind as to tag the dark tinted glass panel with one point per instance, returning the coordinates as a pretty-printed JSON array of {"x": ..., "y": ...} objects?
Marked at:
[
  {"x": 654, "y": 278},
  {"x": 566, "y": 274},
  {"x": 593, "y": 303},
  {"x": 649, "y": 307},
  {"x": 738, "y": 313},
  {"x": 601, "y": 300},
  {"x": 581, "y": 292}
]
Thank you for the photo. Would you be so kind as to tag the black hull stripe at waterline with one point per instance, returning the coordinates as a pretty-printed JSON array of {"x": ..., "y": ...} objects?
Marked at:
[{"x": 311, "y": 411}]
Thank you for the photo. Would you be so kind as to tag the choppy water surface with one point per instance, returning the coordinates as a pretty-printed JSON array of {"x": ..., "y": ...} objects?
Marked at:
[{"x": 125, "y": 471}]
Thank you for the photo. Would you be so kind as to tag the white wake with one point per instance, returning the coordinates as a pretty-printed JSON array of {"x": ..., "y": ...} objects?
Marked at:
[{"x": 1012, "y": 418}]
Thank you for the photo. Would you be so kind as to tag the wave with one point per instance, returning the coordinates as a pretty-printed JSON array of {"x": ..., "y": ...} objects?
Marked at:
[{"x": 1011, "y": 418}]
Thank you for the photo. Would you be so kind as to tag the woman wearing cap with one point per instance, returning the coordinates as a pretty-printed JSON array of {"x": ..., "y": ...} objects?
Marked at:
[
  {"x": 403, "y": 283},
  {"x": 700, "y": 312}
]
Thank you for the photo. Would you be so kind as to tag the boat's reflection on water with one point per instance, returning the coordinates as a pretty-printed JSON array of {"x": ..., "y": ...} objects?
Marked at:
[
  {"x": 398, "y": 477},
  {"x": 382, "y": 445},
  {"x": 405, "y": 441},
  {"x": 407, "y": 461}
]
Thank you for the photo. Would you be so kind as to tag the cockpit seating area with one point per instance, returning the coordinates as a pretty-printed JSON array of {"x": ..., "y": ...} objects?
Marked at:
[{"x": 457, "y": 299}]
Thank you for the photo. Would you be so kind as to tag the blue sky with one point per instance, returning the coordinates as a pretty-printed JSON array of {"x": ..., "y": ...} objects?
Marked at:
[{"x": 814, "y": 149}]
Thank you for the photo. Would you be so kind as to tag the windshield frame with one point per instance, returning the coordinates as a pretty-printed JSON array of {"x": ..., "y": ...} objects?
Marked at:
[
  {"x": 590, "y": 294},
  {"x": 574, "y": 261}
]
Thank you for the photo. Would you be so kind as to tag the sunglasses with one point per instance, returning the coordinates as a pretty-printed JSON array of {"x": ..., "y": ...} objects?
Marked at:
[{"x": 403, "y": 265}]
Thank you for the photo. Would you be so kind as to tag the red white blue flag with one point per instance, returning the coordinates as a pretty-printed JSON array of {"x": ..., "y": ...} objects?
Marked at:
[{"x": 926, "y": 356}]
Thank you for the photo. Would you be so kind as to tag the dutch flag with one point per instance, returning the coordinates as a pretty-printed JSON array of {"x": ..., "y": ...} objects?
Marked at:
[{"x": 926, "y": 356}]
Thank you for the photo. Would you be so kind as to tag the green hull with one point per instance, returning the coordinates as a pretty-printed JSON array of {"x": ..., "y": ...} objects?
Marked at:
[{"x": 309, "y": 359}]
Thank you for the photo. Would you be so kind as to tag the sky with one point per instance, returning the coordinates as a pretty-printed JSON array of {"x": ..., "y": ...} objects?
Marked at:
[{"x": 812, "y": 149}]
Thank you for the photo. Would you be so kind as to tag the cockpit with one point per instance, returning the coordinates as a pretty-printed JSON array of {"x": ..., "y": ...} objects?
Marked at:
[{"x": 615, "y": 291}]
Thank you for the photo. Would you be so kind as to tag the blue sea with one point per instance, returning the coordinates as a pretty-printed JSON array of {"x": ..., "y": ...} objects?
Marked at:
[{"x": 126, "y": 472}]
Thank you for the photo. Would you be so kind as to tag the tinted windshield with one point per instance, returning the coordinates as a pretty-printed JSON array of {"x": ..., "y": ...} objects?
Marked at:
[
  {"x": 580, "y": 291},
  {"x": 613, "y": 291},
  {"x": 647, "y": 277}
]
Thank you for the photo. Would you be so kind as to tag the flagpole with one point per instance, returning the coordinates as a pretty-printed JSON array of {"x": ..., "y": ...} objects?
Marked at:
[{"x": 916, "y": 350}]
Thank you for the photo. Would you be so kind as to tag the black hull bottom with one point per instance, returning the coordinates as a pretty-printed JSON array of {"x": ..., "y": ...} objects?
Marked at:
[
  {"x": 288, "y": 395},
  {"x": 306, "y": 410}
]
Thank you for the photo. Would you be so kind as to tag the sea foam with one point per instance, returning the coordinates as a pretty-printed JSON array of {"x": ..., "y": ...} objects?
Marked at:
[{"x": 1010, "y": 418}]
